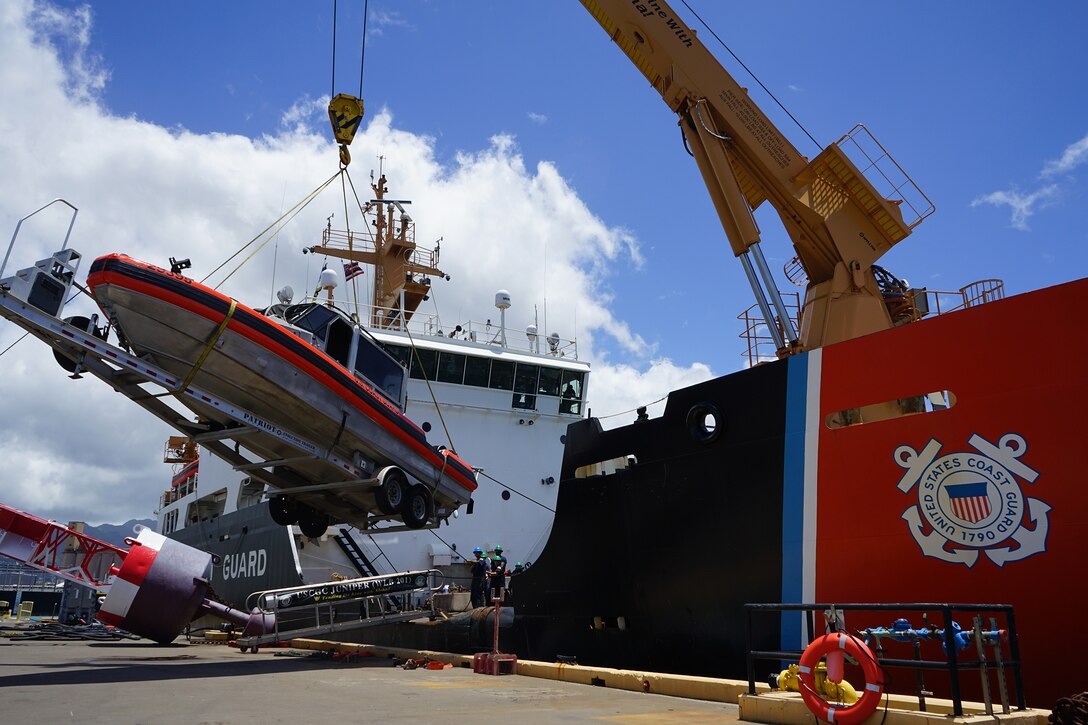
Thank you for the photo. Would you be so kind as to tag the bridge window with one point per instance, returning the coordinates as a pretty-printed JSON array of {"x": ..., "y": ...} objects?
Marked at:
[
  {"x": 401, "y": 353},
  {"x": 549, "y": 381},
  {"x": 525, "y": 382},
  {"x": 477, "y": 370},
  {"x": 572, "y": 391},
  {"x": 451, "y": 368},
  {"x": 502, "y": 375},
  {"x": 429, "y": 359}
]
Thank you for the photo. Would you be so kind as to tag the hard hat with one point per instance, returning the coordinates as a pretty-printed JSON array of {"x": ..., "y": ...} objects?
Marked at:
[
  {"x": 517, "y": 563},
  {"x": 498, "y": 547},
  {"x": 477, "y": 550}
]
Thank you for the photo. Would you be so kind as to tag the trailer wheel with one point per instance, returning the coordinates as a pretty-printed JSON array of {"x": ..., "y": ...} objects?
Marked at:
[
  {"x": 418, "y": 507},
  {"x": 312, "y": 524},
  {"x": 284, "y": 510},
  {"x": 85, "y": 324},
  {"x": 393, "y": 491}
]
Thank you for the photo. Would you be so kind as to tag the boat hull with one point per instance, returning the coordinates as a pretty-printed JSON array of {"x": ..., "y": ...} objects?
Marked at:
[
  {"x": 649, "y": 567},
  {"x": 239, "y": 355}
]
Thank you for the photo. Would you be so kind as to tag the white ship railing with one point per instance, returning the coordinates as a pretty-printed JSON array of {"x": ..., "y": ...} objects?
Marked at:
[{"x": 485, "y": 333}]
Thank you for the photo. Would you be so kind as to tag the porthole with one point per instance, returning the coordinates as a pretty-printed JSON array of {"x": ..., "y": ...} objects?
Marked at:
[
  {"x": 704, "y": 422},
  {"x": 505, "y": 495},
  {"x": 563, "y": 439},
  {"x": 426, "y": 427}
]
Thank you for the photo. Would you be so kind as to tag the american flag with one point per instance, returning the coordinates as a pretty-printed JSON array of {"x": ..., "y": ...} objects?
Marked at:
[
  {"x": 969, "y": 501},
  {"x": 352, "y": 270}
]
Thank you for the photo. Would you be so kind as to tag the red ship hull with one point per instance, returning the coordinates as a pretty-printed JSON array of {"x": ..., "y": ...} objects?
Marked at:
[{"x": 980, "y": 502}]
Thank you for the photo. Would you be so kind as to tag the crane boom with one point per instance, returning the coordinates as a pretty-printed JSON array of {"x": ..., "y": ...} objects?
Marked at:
[{"x": 839, "y": 223}]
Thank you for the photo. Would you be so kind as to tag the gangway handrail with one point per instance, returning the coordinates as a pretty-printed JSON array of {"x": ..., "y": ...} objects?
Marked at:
[
  {"x": 394, "y": 583},
  {"x": 371, "y": 594}
]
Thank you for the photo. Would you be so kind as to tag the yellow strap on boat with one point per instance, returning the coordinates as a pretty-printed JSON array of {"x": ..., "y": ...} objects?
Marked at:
[{"x": 207, "y": 350}]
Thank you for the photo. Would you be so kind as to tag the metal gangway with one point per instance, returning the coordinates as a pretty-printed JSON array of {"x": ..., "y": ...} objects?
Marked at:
[{"x": 317, "y": 610}]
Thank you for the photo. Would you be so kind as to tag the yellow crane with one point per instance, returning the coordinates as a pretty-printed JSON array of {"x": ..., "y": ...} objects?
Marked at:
[{"x": 840, "y": 224}]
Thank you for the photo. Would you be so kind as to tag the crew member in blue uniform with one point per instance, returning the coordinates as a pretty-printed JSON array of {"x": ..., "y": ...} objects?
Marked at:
[
  {"x": 498, "y": 574},
  {"x": 480, "y": 571}
]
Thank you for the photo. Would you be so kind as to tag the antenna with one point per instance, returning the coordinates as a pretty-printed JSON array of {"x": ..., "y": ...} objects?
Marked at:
[{"x": 502, "y": 301}]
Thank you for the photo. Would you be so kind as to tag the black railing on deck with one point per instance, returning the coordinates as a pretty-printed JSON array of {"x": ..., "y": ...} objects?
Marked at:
[{"x": 951, "y": 663}]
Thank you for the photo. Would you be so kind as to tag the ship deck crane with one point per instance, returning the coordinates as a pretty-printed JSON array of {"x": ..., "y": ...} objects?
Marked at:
[{"x": 840, "y": 224}]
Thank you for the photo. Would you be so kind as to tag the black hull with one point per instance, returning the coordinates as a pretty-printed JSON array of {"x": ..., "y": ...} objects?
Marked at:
[{"x": 649, "y": 567}]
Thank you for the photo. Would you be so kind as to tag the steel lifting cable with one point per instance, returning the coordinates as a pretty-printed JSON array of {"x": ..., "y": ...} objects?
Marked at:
[
  {"x": 332, "y": 84},
  {"x": 362, "y": 51},
  {"x": 292, "y": 213},
  {"x": 632, "y": 410},
  {"x": 362, "y": 214},
  {"x": 749, "y": 71},
  {"x": 519, "y": 493},
  {"x": 415, "y": 352},
  {"x": 347, "y": 228},
  {"x": 423, "y": 372},
  {"x": 455, "y": 551}
]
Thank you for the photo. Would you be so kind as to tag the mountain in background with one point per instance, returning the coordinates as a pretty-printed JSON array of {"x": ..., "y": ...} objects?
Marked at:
[{"x": 115, "y": 533}]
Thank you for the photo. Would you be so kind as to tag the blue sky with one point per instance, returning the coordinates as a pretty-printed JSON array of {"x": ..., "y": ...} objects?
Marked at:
[
  {"x": 973, "y": 99},
  {"x": 532, "y": 146}
]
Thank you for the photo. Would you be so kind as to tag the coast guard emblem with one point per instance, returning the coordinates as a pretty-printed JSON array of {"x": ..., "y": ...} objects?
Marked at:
[{"x": 972, "y": 501}]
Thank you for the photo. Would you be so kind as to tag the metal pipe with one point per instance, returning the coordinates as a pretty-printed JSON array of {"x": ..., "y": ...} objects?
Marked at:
[
  {"x": 776, "y": 297},
  {"x": 761, "y": 300},
  {"x": 71, "y": 224}
]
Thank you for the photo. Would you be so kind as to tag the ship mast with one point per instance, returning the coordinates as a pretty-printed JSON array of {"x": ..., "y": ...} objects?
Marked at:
[{"x": 402, "y": 269}]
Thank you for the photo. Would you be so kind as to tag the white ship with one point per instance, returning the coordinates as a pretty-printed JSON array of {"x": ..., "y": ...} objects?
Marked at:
[{"x": 502, "y": 399}]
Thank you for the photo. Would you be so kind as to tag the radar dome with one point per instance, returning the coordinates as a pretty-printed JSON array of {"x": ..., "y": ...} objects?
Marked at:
[
  {"x": 502, "y": 299},
  {"x": 329, "y": 279}
]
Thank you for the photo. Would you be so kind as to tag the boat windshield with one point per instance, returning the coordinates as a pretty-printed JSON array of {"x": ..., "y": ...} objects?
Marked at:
[
  {"x": 345, "y": 342},
  {"x": 311, "y": 317}
]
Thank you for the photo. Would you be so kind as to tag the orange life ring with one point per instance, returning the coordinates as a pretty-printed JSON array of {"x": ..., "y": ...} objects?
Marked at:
[{"x": 874, "y": 679}]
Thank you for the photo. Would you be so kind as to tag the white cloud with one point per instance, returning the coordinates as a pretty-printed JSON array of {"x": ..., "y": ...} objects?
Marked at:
[
  {"x": 617, "y": 390},
  {"x": 68, "y": 34},
  {"x": 1024, "y": 205},
  {"x": 538, "y": 117},
  {"x": 303, "y": 112},
  {"x": 77, "y": 450},
  {"x": 1074, "y": 155},
  {"x": 379, "y": 20},
  {"x": 1021, "y": 205}
]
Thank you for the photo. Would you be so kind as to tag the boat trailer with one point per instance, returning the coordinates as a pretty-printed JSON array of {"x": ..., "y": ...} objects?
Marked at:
[{"x": 34, "y": 299}]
